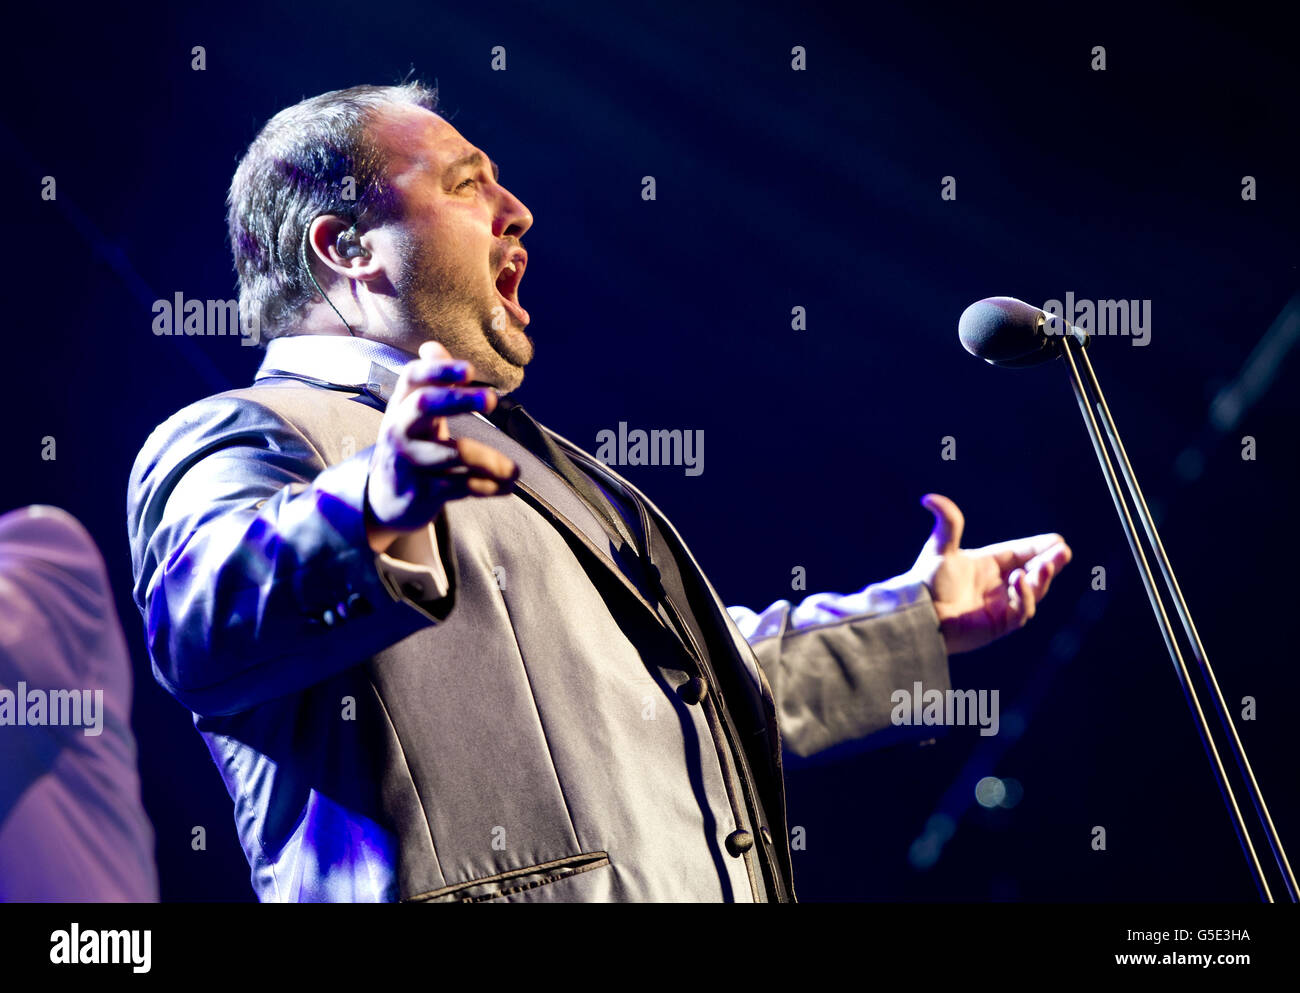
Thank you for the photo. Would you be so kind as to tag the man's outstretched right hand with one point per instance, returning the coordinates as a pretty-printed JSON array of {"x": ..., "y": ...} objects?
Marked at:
[{"x": 417, "y": 467}]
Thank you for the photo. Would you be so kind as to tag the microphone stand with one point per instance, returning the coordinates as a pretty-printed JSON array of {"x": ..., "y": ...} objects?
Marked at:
[{"x": 1076, "y": 356}]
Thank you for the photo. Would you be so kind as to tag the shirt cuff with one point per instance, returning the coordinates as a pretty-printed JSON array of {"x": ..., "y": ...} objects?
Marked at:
[{"x": 413, "y": 568}]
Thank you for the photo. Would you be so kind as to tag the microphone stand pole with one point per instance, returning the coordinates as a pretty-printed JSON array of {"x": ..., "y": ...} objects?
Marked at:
[{"x": 1072, "y": 348}]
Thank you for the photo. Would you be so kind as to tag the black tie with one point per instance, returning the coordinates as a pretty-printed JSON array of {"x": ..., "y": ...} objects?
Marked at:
[{"x": 511, "y": 418}]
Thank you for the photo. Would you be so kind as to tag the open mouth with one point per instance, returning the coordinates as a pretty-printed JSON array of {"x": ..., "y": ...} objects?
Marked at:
[{"x": 507, "y": 283}]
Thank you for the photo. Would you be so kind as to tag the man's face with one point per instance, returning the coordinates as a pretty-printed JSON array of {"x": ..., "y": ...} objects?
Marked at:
[{"x": 458, "y": 238}]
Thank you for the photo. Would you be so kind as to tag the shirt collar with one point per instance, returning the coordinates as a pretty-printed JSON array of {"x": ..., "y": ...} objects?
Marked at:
[
  {"x": 366, "y": 365},
  {"x": 344, "y": 361}
]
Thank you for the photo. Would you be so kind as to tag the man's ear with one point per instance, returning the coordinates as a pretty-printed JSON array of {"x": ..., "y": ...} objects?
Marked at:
[{"x": 335, "y": 242}]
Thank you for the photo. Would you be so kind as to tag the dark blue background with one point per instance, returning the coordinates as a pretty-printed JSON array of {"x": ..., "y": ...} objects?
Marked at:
[{"x": 775, "y": 188}]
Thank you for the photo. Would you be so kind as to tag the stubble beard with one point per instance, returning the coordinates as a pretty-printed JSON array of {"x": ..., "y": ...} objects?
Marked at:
[{"x": 439, "y": 306}]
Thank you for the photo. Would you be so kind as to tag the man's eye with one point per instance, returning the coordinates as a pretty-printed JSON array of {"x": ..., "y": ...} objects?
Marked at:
[{"x": 468, "y": 182}]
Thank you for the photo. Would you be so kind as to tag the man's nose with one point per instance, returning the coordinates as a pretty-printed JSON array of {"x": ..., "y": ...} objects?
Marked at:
[{"x": 513, "y": 218}]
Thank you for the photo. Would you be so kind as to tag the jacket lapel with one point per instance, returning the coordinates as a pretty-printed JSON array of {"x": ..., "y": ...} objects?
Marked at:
[
  {"x": 554, "y": 500},
  {"x": 762, "y": 701},
  {"x": 610, "y": 476}
]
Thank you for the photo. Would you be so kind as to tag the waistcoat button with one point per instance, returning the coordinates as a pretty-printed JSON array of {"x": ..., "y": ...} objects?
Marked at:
[
  {"x": 739, "y": 842},
  {"x": 693, "y": 690}
]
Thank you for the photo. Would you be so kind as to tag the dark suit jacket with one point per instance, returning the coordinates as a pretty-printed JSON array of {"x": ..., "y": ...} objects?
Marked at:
[{"x": 521, "y": 724}]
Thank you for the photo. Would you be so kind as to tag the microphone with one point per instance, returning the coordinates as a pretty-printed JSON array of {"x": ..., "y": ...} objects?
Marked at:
[
  {"x": 1007, "y": 332},
  {"x": 1004, "y": 331}
]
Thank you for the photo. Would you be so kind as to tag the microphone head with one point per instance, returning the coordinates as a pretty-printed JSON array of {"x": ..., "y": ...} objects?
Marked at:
[{"x": 1004, "y": 331}]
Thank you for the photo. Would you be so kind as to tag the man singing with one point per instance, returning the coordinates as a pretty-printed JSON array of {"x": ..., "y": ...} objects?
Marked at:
[{"x": 440, "y": 653}]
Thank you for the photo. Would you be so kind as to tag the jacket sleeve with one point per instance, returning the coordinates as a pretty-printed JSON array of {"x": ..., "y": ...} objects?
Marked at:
[
  {"x": 834, "y": 661},
  {"x": 253, "y": 572}
]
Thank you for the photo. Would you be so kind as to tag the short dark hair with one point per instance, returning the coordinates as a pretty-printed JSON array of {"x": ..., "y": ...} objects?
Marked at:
[{"x": 294, "y": 171}]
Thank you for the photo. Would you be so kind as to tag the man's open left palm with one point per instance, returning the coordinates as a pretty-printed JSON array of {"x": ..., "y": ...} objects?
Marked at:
[{"x": 980, "y": 594}]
